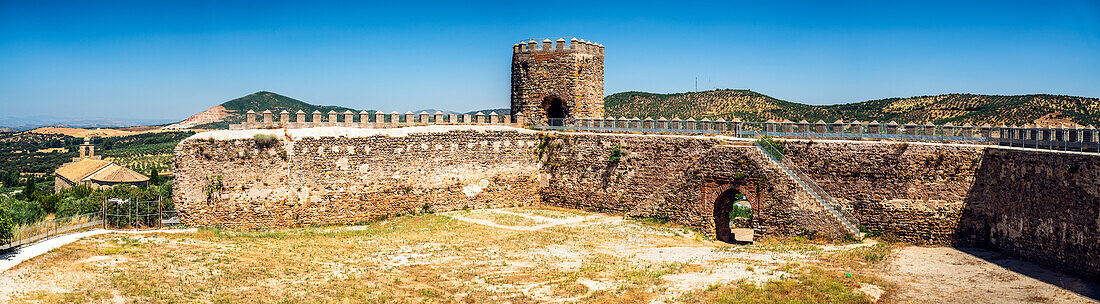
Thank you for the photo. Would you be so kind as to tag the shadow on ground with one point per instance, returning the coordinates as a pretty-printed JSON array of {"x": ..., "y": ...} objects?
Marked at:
[{"x": 1080, "y": 286}]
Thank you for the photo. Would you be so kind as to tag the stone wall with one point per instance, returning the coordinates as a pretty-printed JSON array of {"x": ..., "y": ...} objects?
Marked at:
[
  {"x": 1042, "y": 206},
  {"x": 678, "y": 178},
  {"x": 912, "y": 192},
  {"x": 342, "y": 175},
  {"x": 1039, "y": 205}
]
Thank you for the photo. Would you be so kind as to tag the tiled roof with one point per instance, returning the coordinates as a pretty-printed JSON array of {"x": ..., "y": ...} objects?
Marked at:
[
  {"x": 81, "y": 169},
  {"x": 118, "y": 174}
]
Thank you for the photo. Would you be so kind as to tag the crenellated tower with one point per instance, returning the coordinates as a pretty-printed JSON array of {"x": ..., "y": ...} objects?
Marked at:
[{"x": 557, "y": 79}]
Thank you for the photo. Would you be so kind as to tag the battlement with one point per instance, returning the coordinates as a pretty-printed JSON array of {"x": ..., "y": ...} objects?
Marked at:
[{"x": 558, "y": 45}]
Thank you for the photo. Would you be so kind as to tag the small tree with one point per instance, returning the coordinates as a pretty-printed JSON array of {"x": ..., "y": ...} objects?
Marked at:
[
  {"x": 29, "y": 188},
  {"x": 154, "y": 176},
  {"x": 5, "y": 225},
  {"x": 10, "y": 178}
]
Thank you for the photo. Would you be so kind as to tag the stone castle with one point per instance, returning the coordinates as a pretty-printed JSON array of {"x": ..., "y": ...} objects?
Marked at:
[{"x": 1040, "y": 205}]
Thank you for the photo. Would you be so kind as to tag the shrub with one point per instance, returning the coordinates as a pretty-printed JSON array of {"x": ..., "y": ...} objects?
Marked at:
[
  {"x": 771, "y": 146},
  {"x": 21, "y": 212},
  {"x": 616, "y": 153},
  {"x": 5, "y": 227},
  {"x": 264, "y": 141},
  {"x": 741, "y": 211},
  {"x": 78, "y": 191},
  {"x": 48, "y": 202},
  {"x": 213, "y": 186},
  {"x": 165, "y": 191},
  {"x": 71, "y": 206}
]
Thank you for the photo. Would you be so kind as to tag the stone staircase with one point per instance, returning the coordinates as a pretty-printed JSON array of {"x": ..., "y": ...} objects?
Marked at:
[{"x": 846, "y": 219}]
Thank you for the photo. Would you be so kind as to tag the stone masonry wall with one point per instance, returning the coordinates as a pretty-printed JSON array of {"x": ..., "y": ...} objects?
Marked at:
[
  {"x": 342, "y": 175},
  {"x": 910, "y": 192},
  {"x": 1043, "y": 206},
  {"x": 675, "y": 177},
  {"x": 573, "y": 75},
  {"x": 1040, "y": 205}
]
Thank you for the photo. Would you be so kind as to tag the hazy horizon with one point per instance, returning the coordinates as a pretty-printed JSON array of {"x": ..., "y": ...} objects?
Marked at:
[{"x": 168, "y": 60}]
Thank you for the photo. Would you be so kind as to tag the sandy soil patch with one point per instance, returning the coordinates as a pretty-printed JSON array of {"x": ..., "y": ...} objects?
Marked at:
[{"x": 950, "y": 275}]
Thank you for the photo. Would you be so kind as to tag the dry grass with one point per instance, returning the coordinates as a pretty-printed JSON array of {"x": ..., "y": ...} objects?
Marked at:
[{"x": 430, "y": 258}]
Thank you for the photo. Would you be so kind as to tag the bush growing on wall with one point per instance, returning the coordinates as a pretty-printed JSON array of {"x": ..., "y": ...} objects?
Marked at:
[
  {"x": 773, "y": 147},
  {"x": 616, "y": 153},
  {"x": 264, "y": 141}
]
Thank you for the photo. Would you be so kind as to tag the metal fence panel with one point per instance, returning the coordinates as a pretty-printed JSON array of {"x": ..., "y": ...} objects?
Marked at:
[{"x": 51, "y": 228}]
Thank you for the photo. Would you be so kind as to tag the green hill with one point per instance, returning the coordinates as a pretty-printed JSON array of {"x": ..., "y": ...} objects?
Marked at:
[
  {"x": 954, "y": 108},
  {"x": 235, "y": 109}
]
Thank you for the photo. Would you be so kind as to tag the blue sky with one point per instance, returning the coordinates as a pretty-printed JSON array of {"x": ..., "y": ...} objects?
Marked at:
[{"x": 167, "y": 60}]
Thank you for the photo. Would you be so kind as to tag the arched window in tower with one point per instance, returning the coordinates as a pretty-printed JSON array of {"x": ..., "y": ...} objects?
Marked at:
[{"x": 555, "y": 109}]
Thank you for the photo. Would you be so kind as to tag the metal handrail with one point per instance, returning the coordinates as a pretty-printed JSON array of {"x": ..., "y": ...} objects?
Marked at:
[
  {"x": 827, "y": 201},
  {"x": 755, "y": 129},
  {"x": 50, "y": 228}
]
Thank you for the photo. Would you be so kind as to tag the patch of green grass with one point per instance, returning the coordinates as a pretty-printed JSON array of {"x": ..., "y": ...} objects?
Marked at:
[
  {"x": 786, "y": 244},
  {"x": 809, "y": 285},
  {"x": 863, "y": 256}
]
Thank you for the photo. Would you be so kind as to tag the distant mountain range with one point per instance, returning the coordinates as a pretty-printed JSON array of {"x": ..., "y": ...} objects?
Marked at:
[
  {"x": 948, "y": 108},
  {"x": 31, "y": 122},
  {"x": 725, "y": 104}
]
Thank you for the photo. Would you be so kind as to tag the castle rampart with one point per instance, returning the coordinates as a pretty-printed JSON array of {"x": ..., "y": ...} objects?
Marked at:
[
  {"x": 560, "y": 45},
  {"x": 365, "y": 119},
  {"x": 345, "y": 175},
  {"x": 1044, "y": 206}
]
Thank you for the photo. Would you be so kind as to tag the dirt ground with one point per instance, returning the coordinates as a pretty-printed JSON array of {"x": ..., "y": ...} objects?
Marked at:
[
  {"x": 510, "y": 255},
  {"x": 952, "y": 275}
]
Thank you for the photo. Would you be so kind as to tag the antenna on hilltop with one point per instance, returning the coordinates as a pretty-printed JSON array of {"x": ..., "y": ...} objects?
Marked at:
[{"x": 696, "y": 84}]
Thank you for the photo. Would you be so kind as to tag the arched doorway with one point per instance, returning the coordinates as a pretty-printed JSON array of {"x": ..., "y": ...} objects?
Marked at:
[
  {"x": 732, "y": 217},
  {"x": 555, "y": 110}
]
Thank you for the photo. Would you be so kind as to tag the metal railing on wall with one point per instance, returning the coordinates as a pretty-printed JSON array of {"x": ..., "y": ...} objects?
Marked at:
[
  {"x": 830, "y": 204},
  {"x": 1061, "y": 139}
]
